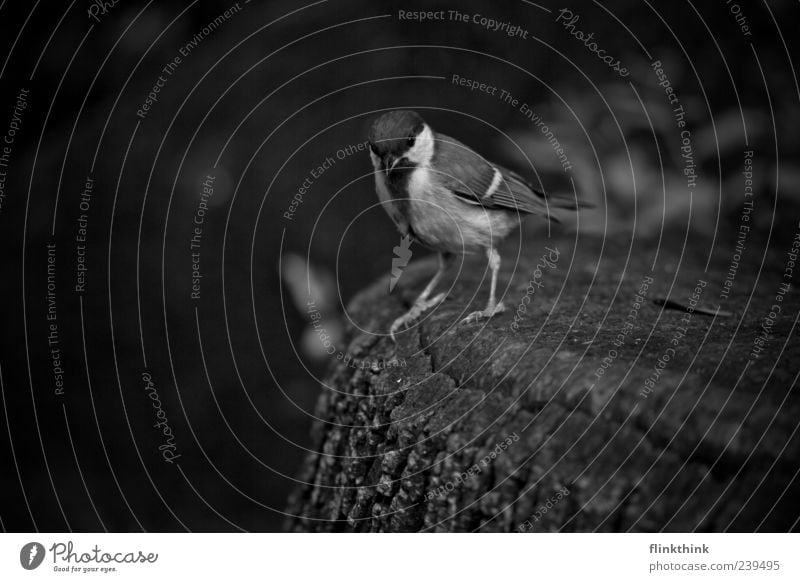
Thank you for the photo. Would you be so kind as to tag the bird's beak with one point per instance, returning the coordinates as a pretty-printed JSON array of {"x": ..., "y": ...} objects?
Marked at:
[{"x": 390, "y": 162}]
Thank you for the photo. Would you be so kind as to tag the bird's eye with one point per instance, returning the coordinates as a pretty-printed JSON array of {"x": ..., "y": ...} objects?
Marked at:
[{"x": 410, "y": 141}]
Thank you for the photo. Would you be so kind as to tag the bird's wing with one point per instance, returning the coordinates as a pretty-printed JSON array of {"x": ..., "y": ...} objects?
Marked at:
[{"x": 477, "y": 181}]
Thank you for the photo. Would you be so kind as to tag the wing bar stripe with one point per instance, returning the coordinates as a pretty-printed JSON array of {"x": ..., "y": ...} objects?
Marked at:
[{"x": 496, "y": 179}]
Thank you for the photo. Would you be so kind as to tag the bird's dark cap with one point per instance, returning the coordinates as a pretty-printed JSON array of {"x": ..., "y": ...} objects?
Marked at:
[{"x": 391, "y": 131}]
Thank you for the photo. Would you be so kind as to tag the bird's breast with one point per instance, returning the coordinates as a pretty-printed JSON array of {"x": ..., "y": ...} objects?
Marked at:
[{"x": 442, "y": 221}]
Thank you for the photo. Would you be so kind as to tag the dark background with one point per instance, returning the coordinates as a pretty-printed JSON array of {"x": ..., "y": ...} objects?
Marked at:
[{"x": 270, "y": 94}]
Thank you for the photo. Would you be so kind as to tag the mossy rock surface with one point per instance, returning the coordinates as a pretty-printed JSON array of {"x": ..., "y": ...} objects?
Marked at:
[{"x": 580, "y": 413}]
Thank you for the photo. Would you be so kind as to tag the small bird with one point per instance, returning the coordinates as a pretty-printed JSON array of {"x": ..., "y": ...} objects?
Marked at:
[{"x": 449, "y": 198}]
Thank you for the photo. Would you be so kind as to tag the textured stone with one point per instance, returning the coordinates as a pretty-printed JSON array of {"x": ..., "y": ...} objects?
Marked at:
[{"x": 711, "y": 446}]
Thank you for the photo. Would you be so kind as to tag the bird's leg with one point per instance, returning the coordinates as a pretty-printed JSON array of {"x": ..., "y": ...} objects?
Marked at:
[
  {"x": 492, "y": 307},
  {"x": 422, "y": 303}
]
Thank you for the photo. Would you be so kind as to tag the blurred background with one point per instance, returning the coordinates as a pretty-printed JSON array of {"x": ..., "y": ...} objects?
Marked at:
[{"x": 189, "y": 366}]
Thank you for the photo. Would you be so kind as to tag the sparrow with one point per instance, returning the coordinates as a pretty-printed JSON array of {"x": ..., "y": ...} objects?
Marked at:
[{"x": 449, "y": 198}]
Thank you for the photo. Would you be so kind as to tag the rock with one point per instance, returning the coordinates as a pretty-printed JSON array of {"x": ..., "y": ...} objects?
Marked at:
[{"x": 587, "y": 408}]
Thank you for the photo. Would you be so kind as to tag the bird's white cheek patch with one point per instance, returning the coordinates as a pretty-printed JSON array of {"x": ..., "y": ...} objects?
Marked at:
[{"x": 422, "y": 151}]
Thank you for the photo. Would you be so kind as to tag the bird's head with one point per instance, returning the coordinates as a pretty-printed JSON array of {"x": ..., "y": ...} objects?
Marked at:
[{"x": 400, "y": 139}]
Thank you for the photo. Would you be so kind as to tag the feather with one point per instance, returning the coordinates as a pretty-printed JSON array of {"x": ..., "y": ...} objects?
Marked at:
[{"x": 477, "y": 181}]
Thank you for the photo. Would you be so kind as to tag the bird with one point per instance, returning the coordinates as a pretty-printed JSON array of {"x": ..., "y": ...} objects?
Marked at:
[{"x": 449, "y": 198}]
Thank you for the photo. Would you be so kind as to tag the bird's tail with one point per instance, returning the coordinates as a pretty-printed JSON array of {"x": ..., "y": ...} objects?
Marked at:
[
  {"x": 560, "y": 203},
  {"x": 566, "y": 202},
  {"x": 529, "y": 199}
]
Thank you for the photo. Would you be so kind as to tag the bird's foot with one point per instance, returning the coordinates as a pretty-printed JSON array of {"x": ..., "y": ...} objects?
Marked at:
[
  {"x": 416, "y": 310},
  {"x": 484, "y": 314}
]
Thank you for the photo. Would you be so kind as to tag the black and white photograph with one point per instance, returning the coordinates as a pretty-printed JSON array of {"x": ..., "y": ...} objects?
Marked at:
[{"x": 291, "y": 269}]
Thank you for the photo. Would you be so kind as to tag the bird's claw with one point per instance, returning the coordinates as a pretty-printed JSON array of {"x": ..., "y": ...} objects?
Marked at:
[
  {"x": 416, "y": 310},
  {"x": 484, "y": 314}
]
